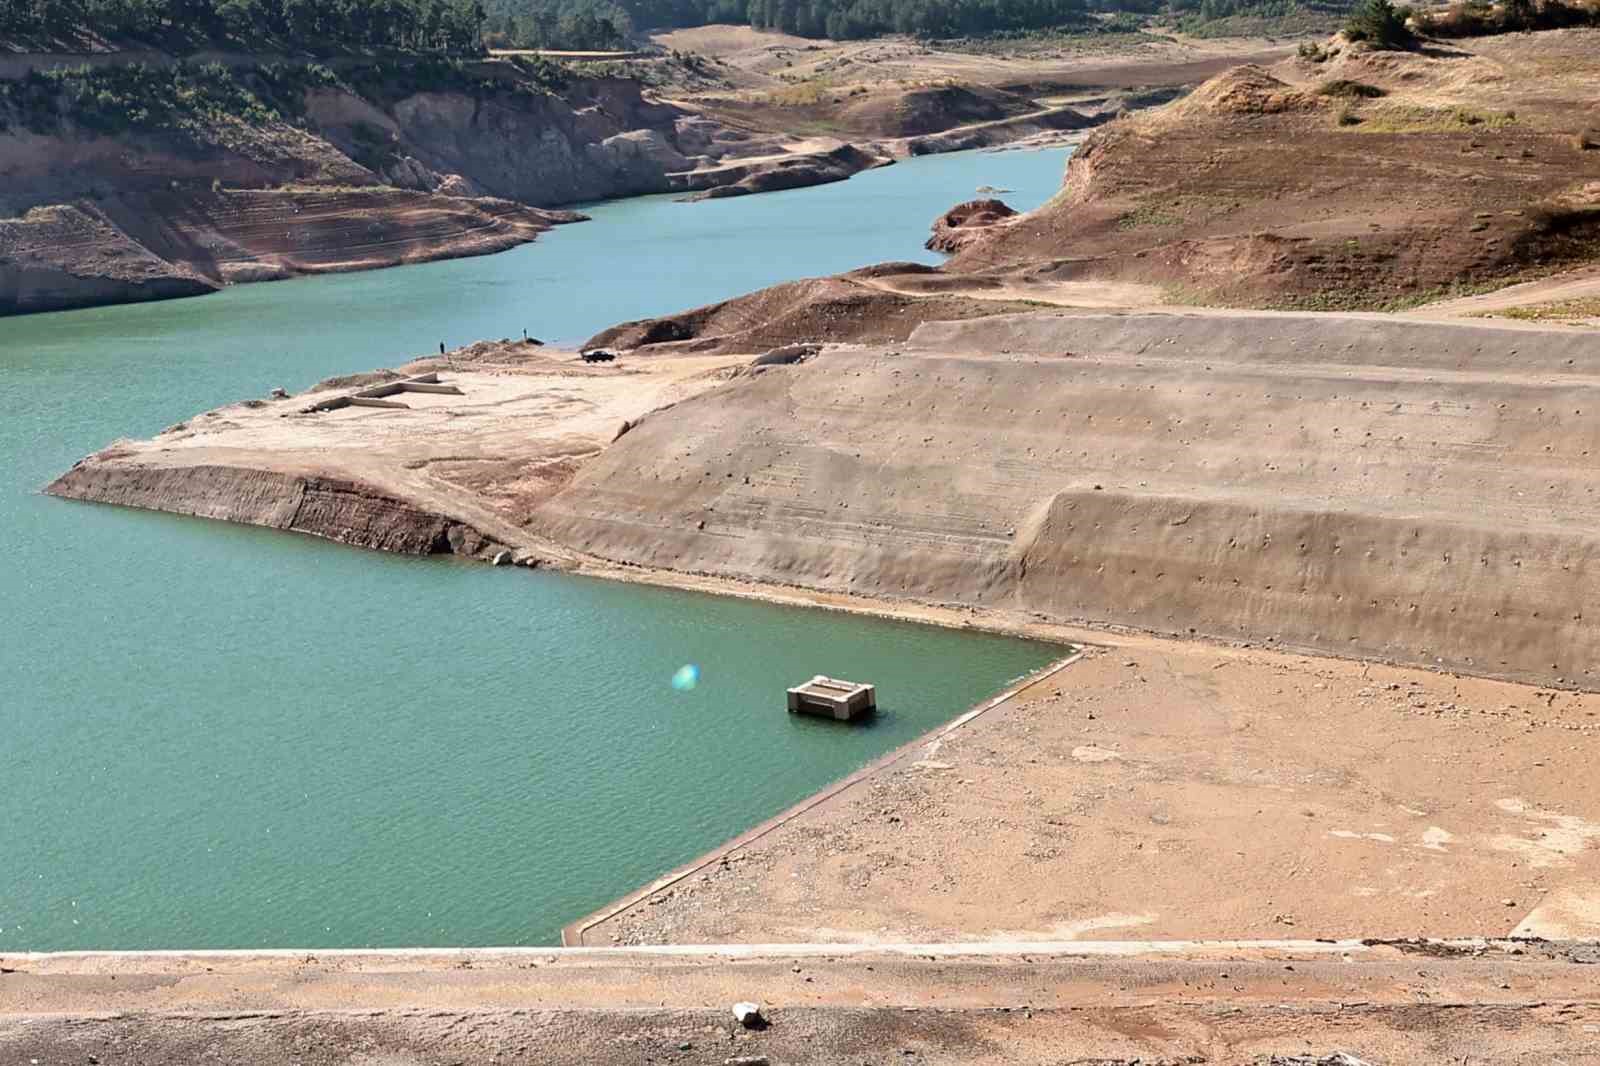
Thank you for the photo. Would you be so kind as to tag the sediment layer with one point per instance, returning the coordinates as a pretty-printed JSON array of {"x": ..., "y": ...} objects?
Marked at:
[
  {"x": 457, "y": 470},
  {"x": 1358, "y": 486},
  {"x": 344, "y": 511}
]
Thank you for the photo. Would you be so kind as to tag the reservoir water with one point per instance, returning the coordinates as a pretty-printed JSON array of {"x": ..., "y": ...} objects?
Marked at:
[{"x": 216, "y": 736}]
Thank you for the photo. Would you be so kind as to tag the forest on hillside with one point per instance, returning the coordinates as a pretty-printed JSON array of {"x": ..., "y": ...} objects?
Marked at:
[
  {"x": 461, "y": 27},
  {"x": 318, "y": 27},
  {"x": 609, "y": 23}
]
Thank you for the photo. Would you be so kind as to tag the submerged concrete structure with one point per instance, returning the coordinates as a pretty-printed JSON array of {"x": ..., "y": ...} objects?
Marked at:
[{"x": 830, "y": 697}]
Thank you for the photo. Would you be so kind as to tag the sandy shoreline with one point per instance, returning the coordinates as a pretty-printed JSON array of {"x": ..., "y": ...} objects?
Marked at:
[{"x": 572, "y": 935}]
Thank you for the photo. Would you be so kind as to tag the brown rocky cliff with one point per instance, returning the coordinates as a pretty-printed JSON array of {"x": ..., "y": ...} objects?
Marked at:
[
  {"x": 366, "y": 183},
  {"x": 334, "y": 509},
  {"x": 956, "y": 228}
]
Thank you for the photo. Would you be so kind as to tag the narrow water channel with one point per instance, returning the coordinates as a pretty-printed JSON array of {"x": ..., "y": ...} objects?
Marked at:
[{"x": 214, "y": 736}]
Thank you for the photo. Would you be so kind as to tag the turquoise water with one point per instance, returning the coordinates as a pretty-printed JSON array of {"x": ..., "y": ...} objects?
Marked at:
[{"x": 216, "y": 736}]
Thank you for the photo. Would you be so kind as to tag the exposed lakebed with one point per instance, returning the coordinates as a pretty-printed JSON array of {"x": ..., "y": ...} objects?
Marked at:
[{"x": 221, "y": 737}]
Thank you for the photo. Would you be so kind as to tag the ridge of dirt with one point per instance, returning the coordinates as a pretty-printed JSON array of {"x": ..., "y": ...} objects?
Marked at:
[{"x": 1446, "y": 171}]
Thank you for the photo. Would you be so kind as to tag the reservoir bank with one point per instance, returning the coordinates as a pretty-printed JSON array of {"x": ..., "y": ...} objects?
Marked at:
[{"x": 221, "y": 737}]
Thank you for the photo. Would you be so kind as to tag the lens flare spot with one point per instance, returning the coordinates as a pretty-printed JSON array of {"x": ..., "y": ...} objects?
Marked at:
[{"x": 687, "y": 677}]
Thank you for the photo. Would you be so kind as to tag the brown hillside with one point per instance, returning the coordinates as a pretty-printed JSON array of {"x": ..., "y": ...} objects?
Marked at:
[
  {"x": 1370, "y": 180},
  {"x": 1361, "y": 486}
]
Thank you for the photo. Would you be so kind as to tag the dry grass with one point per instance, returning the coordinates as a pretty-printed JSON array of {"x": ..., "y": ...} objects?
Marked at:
[
  {"x": 1354, "y": 90},
  {"x": 1583, "y": 307},
  {"x": 1414, "y": 119},
  {"x": 804, "y": 94}
]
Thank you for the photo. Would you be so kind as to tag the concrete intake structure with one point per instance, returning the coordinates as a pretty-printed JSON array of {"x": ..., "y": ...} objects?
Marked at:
[{"x": 832, "y": 698}]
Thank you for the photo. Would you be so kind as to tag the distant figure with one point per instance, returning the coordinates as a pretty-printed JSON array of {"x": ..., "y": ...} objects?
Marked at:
[
  {"x": 524, "y": 334},
  {"x": 441, "y": 347}
]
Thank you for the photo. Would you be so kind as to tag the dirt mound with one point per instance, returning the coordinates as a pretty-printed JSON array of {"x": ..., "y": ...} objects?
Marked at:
[
  {"x": 960, "y": 225},
  {"x": 1245, "y": 90},
  {"x": 918, "y": 111},
  {"x": 817, "y": 309}
]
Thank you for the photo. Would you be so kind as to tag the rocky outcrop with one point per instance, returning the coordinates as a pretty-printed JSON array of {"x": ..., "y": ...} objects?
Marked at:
[
  {"x": 108, "y": 218},
  {"x": 338, "y": 510},
  {"x": 773, "y": 173},
  {"x": 596, "y": 140},
  {"x": 957, "y": 227},
  {"x": 360, "y": 182},
  {"x": 64, "y": 256}
]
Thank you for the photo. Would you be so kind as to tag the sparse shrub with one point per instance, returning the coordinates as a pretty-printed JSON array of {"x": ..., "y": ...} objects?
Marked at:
[
  {"x": 1481, "y": 18},
  {"x": 1552, "y": 216},
  {"x": 1348, "y": 117},
  {"x": 1354, "y": 90},
  {"x": 1380, "y": 24},
  {"x": 1313, "y": 52},
  {"x": 1586, "y": 140}
]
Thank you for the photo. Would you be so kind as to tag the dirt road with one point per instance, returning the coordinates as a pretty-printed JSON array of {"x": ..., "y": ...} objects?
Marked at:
[{"x": 1291, "y": 1006}]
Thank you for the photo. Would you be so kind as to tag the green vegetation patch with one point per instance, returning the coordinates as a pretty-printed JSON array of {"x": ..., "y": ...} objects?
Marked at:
[
  {"x": 1351, "y": 90},
  {"x": 1147, "y": 216},
  {"x": 1257, "y": 18},
  {"x": 111, "y": 100},
  {"x": 1120, "y": 31},
  {"x": 388, "y": 80},
  {"x": 1398, "y": 119},
  {"x": 319, "y": 29},
  {"x": 967, "y": 25},
  {"x": 1381, "y": 25},
  {"x": 193, "y": 97}
]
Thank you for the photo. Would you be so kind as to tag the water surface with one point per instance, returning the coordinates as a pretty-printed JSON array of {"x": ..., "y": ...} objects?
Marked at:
[{"x": 215, "y": 736}]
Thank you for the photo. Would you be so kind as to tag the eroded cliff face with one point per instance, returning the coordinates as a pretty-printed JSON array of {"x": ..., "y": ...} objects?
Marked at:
[
  {"x": 1365, "y": 487},
  {"x": 336, "y": 509},
  {"x": 90, "y": 218}
]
